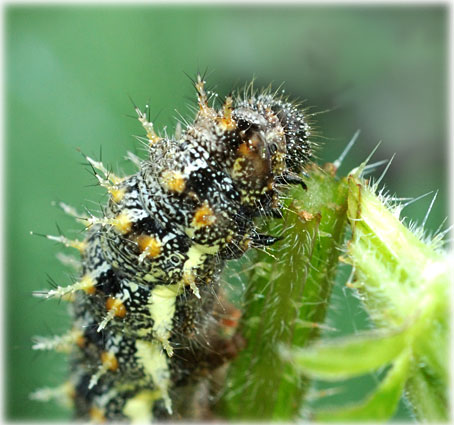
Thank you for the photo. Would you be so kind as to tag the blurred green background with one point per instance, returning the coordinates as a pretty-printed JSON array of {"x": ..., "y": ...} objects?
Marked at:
[{"x": 69, "y": 71}]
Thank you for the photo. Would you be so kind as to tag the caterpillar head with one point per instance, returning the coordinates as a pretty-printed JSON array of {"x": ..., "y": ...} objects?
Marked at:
[
  {"x": 285, "y": 126},
  {"x": 258, "y": 138}
]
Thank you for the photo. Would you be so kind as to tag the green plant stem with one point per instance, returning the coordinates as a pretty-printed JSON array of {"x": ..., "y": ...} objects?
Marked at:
[
  {"x": 403, "y": 282},
  {"x": 286, "y": 301}
]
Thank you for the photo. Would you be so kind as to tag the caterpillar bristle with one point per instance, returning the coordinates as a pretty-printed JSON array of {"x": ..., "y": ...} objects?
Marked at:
[
  {"x": 115, "y": 308},
  {"x": 69, "y": 243},
  {"x": 69, "y": 260},
  {"x": 63, "y": 394},
  {"x": 148, "y": 126},
  {"x": 108, "y": 362},
  {"x": 60, "y": 343},
  {"x": 133, "y": 158},
  {"x": 108, "y": 175},
  {"x": 86, "y": 284},
  {"x": 71, "y": 211},
  {"x": 116, "y": 192}
]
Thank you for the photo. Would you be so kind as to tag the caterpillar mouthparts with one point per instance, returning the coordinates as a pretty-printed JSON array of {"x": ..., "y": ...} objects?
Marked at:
[{"x": 147, "y": 318}]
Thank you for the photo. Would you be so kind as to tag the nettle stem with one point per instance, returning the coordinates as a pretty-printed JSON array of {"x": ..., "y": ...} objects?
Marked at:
[{"x": 286, "y": 300}]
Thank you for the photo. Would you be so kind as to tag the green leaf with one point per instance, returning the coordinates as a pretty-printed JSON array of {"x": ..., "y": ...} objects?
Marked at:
[
  {"x": 349, "y": 357},
  {"x": 382, "y": 403}
]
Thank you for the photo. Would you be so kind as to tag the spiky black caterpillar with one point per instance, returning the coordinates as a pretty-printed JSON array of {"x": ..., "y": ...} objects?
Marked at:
[{"x": 147, "y": 322}]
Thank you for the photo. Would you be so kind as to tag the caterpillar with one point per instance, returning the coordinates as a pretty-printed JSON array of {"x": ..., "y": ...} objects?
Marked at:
[{"x": 149, "y": 315}]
